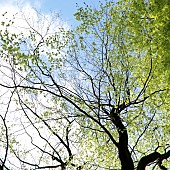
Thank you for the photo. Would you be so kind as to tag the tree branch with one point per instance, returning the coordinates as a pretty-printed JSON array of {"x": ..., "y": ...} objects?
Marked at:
[{"x": 144, "y": 161}]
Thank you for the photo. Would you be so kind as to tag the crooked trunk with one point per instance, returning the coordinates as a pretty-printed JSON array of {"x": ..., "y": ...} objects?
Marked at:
[
  {"x": 125, "y": 159},
  {"x": 124, "y": 154}
]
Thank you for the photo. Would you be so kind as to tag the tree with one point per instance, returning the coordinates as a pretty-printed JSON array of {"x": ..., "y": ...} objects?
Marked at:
[{"x": 89, "y": 98}]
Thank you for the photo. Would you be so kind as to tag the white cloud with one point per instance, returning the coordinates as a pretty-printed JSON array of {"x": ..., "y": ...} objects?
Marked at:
[
  {"x": 26, "y": 16},
  {"x": 20, "y": 3},
  {"x": 23, "y": 11},
  {"x": 31, "y": 12}
]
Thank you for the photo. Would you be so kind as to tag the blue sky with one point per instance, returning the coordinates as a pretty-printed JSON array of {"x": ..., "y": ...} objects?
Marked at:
[{"x": 65, "y": 7}]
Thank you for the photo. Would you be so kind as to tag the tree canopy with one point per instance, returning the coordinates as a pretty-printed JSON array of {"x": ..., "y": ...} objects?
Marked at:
[{"x": 93, "y": 97}]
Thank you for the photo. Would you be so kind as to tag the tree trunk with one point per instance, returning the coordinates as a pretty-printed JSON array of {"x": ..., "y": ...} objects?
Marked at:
[{"x": 124, "y": 154}]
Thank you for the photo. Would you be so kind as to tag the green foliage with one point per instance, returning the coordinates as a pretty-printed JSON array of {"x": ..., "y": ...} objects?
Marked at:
[
  {"x": 130, "y": 42},
  {"x": 148, "y": 27}
]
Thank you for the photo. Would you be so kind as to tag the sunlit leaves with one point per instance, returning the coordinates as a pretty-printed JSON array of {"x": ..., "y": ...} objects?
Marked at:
[
  {"x": 148, "y": 24},
  {"x": 132, "y": 38}
]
